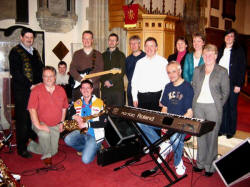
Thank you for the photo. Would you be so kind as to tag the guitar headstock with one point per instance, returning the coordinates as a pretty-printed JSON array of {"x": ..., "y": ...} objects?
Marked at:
[{"x": 115, "y": 71}]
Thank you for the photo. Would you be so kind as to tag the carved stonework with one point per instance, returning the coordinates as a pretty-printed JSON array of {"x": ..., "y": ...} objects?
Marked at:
[{"x": 56, "y": 15}]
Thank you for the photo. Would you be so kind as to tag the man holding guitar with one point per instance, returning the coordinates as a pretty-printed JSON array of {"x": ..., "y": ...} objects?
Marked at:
[
  {"x": 88, "y": 105},
  {"x": 86, "y": 60}
]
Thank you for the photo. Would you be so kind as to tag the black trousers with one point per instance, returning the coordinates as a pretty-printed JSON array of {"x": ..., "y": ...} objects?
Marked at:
[
  {"x": 229, "y": 118},
  {"x": 23, "y": 122},
  {"x": 129, "y": 96},
  {"x": 149, "y": 100}
]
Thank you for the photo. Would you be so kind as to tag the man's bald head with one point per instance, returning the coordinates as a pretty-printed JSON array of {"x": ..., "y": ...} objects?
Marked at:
[{"x": 174, "y": 71}]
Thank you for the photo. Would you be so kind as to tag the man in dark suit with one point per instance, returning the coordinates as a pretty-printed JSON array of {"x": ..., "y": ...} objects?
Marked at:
[{"x": 26, "y": 69}]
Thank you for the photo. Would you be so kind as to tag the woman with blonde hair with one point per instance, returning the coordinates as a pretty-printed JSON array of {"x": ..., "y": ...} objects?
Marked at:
[
  {"x": 194, "y": 59},
  {"x": 211, "y": 90}
]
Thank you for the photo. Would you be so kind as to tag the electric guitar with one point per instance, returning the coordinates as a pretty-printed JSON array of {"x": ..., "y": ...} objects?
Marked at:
[{"x": 88, "y": 76}]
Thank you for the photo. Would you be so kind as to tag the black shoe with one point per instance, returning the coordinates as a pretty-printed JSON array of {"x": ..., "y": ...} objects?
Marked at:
[
  {"x": 220, "y": 134},
  {"x": 25, "y": 154},
  {"x": 208, "y": 174},
  {"x": 196, "y": 169},
  {"x": 230, "y": 136}
]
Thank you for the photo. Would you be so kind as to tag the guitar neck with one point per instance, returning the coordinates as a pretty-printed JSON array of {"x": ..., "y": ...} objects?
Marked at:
[{"x": 97, "y": 74}]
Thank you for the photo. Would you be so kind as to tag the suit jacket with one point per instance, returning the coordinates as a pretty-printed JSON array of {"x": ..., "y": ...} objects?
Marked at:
[
  {"x": 17, "y": 67},
  {"x": 237, "y": 66},
  {"x": 116, "y": 59},
  {"x": 218, "y": 84}
]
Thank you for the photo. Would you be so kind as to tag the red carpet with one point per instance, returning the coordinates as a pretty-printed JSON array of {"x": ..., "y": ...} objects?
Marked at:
[
  {"x": 71, "y": 172},
  {"x": 246, "y": 89},
  {"x": 243, "y": 114}
]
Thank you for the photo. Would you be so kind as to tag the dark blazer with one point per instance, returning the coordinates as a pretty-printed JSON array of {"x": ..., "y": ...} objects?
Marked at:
[
  {"x": 116, "y": 59},
  {"x": 218, "y": 84},
  {"x": 237, "y": 65},
  {"x": 20, "y": 82}
]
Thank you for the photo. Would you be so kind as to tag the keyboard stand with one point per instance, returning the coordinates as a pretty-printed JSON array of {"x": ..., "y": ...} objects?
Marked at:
[{"x": 154, "y": 153}]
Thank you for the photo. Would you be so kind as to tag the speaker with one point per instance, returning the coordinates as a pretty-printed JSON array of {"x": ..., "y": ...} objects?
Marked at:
[
  {"x": 119, "y": 152},
  {"x": 233, "y": 167},
  {"x": 119, "y": 131}
]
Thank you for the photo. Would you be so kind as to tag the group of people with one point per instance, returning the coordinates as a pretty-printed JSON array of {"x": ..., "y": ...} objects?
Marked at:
[{"x": 203, "y": 84}]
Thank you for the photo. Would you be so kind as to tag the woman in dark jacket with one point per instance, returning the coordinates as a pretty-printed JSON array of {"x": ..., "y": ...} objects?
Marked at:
[
  {"x": 181, "y": 47},
  {"x": 232, "y": 57}
]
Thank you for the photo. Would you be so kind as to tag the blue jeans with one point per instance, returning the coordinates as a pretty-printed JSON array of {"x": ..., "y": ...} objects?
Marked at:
[
  {"x": 176, "y": 140},
  {"x": 84, "y": 143}
]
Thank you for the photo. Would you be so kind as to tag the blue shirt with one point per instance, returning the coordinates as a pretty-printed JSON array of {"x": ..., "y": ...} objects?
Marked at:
[
  {"x": 86, "y": 111},
  {"x": 178, "y": 99}
]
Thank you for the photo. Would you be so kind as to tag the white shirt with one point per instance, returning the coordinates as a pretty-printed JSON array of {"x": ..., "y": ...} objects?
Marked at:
[
  {"x": 149, "y": 75},
  {"x": 62, "y": 79},
  {"x": 205, "y": 94},
  {"x": 196, "y": 61},
  {"x": 225, "y": 59},
  {"x": 87, "y": 51}
]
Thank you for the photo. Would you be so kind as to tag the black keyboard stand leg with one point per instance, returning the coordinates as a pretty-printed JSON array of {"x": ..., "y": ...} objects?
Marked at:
[
  {"x": 153, "y": 150},
  {"x": 167, "y": 172},
  {"x": 168, "y": 169}
]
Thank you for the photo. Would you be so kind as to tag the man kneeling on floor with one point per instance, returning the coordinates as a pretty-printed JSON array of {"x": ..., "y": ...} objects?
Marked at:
[
  {"x": 87, "y": 144},
  {"x": 47, "y": 106}
]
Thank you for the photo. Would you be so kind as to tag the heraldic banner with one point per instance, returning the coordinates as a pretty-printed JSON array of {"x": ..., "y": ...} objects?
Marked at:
[{"x": 131, "y": 15}]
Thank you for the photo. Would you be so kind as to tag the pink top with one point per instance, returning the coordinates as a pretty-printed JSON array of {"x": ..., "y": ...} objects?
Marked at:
[
  {"x": 180, "y": 55},
  {"x": 48, "y": 106}
]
